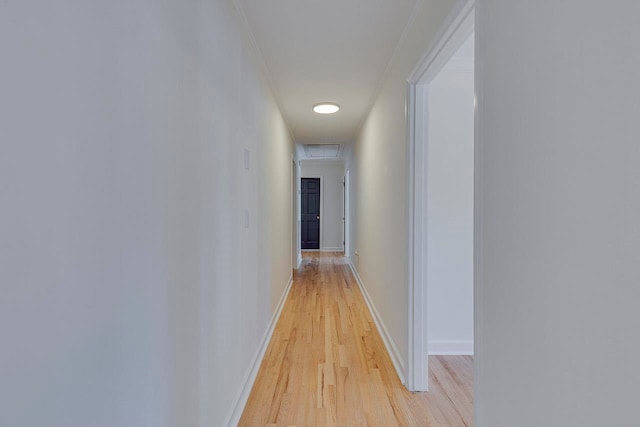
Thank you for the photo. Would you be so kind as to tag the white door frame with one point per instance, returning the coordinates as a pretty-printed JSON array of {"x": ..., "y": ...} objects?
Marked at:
[{"x": 455, "y": 30}]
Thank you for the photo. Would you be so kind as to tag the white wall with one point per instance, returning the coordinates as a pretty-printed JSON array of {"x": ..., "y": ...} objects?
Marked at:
[
  {"x": 378, "y": 167},
  {"x": 122, "y": 127},
  {"x": 332, "y": 199},
  {"x": 449, "y": 206},
  {"x": 557, "y": 213}
]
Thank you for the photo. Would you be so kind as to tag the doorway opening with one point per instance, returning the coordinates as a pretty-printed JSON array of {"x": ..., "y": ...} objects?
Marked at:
[
  {"x": 441, "y": 101},
  {"x": 310, "y": 209}
]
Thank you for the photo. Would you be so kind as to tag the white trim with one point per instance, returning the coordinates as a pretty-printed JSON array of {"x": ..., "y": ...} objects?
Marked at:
[
  {"x": 250, "y": 377},
  {"x": 392, "y": 349},
  {"x": 451, "y": 348},
  {"x": 477, "y": 218},
  {"x": 299, "y": 260},
  {"x": 417, "y": 372},
  {"x": 335, "y": 249},
  {"x": 454, "y": 31}
]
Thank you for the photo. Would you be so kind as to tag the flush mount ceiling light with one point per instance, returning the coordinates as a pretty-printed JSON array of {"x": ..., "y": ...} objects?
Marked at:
[{"x": 326, "y": 108}]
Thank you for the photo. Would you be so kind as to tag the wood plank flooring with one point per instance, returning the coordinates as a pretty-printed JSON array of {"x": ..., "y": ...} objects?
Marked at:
[{"x": 326, "y": 364}]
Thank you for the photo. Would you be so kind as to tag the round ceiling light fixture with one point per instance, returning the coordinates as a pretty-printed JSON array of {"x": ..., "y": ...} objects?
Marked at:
[{"x": 326, "y": 108}]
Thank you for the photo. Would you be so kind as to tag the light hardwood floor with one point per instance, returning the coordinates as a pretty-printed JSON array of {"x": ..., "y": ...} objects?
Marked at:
[{"x": 326, "y": 364}]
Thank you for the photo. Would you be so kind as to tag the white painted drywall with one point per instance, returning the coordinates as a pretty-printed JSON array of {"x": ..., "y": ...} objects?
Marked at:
[
  {"x": 449, "y": 205},
  {"x": 125, "y": 297},
  {"x": 332, "y": 173},
  {"x": 378, "y": 163},
  {"x": 558, "y": 254},
  {"x": 245, "y": 269}
]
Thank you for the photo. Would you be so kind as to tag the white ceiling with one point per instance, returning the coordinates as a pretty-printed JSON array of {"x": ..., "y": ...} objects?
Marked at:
[{"x": 326, "y": 50}]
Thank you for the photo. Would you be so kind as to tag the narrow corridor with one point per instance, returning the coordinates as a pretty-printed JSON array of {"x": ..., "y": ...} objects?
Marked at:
[{"x": 326, "y": 364}]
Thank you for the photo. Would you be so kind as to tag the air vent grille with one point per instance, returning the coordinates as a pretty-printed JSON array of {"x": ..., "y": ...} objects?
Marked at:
[{"x": 322, "y": 150}]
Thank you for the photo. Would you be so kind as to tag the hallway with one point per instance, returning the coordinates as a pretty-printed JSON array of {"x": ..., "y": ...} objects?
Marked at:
[{"x": 326, "y": 364}]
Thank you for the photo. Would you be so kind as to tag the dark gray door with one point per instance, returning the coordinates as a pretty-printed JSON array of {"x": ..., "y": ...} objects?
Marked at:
[{"x": 310, "y": 213}]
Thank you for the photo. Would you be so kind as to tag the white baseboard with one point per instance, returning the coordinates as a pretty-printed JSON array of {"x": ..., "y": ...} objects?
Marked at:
[
  {"x": 330, "y": 249},
  {"x": 392, "y": 349},
  {"x": 450, "y": 348},
  {"x": 240, "y": 401},
  {"x": 299, "y": 260}
]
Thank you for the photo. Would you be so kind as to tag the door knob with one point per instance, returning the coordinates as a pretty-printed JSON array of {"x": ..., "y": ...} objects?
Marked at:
[{"x": 318, "y": 217}]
